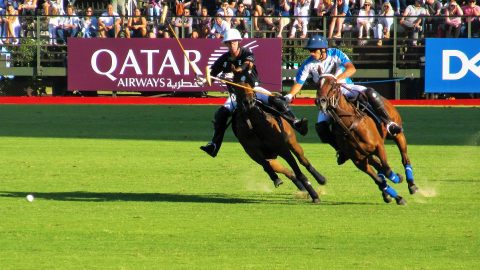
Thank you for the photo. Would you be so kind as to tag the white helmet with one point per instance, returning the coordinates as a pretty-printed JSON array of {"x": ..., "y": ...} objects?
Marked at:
[{"x": 232, "y": 35}]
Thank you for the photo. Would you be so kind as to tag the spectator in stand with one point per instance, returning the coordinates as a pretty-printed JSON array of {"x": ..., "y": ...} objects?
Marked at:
[
  {"x": 183, "y": 25},
  {"x": 385, "y": 22},
  {"x": 53, "y": 23},
  {"x": 109, "y": 23},
  {"x": 89, "y": 24},
  {"x": 340, "y": 11},
  {"x": 154, "y": 9},
  {"x": 472, "y": 10},
  {"x": 284, "y": 18},
  {"x": 195, "y": 34},
  {"x": 180, "y": 6},
  {"x": 204, "y": 23},
  {"x": 433, "y": 21},
  {"x": 301, "y": 13},
  {"x": 137, "y": 25},
  {"x": 28, "y": 11},
  {"x": 219, "y": 27},
  {"x": 365, "y": 19},
  {"x": 259, "y": 12},
  {"x": 241, "y": 22},
  {"x": 69, "y": 25},
  {"x": 226, "y": 12},
  {"x": 54, "y": 4},
  {"x": 411, "y": 20},
  {"x": 453, "y": 20},
  {"x": 12, "y": 25},
  {"x": 119, "y": 8}
]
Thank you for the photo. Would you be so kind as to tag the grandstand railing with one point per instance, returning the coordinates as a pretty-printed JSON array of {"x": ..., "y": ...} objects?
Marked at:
[{"x": 396, "y": 58}]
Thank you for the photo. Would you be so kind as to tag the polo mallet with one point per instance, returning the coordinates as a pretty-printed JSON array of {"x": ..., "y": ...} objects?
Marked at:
[
  {"x": 209, "y": 79},
  {"x": 181, "y": 47}
]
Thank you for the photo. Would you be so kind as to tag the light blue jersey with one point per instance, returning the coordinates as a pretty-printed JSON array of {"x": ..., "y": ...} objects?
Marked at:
[{"x": 333, "y": 64}]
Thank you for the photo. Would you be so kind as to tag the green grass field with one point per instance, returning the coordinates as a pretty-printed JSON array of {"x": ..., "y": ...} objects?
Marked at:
[{"x": 126, "y": 187}]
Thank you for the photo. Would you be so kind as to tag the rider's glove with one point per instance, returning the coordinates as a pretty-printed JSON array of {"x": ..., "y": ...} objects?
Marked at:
[
  {"x": 200, "y": 81},
  {"x": 288, "y": 98}
]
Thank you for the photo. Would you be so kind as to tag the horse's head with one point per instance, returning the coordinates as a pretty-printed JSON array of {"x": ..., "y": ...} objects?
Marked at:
[
  {"x": 326, "y": 92},
  {"x": 244, "y": 90}
]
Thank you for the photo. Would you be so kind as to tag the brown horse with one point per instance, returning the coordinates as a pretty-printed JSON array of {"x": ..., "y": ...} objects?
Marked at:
[
  {"x": 264, "y": 137},
  {"x": 362, "y": 139}
]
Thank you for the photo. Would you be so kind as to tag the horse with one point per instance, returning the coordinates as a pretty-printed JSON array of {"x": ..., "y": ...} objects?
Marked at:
[
  {"x": 363, "y": 140},
  {"x": 265, "y": 136}
]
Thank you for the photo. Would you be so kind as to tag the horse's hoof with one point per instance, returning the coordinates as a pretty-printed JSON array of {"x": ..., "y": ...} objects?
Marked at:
[
  {"x": 277, "y": 182},
  {"x": 400, "y": 200},
  {"x": 412, "y": 188},
  {"x": 386, "y": 197},
  {"x": 322, "y": 180},
  {"x": 400, "y": 178},
  {"x": 316, "y": 200}
]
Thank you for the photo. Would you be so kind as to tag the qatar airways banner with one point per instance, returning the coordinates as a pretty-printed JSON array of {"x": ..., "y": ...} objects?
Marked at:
[{"x": 159, "y": 64}]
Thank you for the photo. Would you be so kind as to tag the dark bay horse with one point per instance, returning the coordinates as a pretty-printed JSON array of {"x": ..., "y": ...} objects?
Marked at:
[
  {"x": 264, "y": 137},
  {"x": 362, "y": 140}
]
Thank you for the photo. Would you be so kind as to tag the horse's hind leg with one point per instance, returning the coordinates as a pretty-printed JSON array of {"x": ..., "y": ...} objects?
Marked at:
[
  {"x": 401, "y": 142},
  {"x": 300, "y": 154},
  {"x": 279, "y": 168}
]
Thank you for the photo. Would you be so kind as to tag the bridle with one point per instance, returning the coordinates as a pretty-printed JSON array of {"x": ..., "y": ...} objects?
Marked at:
[{"x": 331, "y": 98}]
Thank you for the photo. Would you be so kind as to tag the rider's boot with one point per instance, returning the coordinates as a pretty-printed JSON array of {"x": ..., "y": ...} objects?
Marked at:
[
  {"x": 220, "y": 126},
  {"x": 376, "y": 101},
  {"x": 300, "y": 125},
  {"x": 326, "y": 135}
]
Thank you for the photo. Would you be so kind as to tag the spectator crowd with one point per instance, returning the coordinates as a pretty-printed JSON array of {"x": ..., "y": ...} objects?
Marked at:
[{"x": 366, "y": 20}]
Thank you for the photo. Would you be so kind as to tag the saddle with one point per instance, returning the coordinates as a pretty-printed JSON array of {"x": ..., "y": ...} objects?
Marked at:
[{"x": 361, "y": 104}]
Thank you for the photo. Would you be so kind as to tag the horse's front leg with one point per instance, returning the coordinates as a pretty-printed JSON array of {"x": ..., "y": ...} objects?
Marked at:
[
  {"x": 401, "y": 142},
  {"x": 258, "y": 157},
  {"x": 386, "y": 190},
  {"x": 384, "y": 169}
]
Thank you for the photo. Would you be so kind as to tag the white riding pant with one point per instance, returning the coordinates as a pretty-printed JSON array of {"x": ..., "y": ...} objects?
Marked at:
[
  {"x": 231, "y": 102},
  {"x": 350, "y": 91}
]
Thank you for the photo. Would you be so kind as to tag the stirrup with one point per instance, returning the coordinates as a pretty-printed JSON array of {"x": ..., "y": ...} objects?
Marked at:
[
  {"x": 301, "y": 126},
  {"x": 210, "y": 149},
  {"x": 393, "y": 128}
]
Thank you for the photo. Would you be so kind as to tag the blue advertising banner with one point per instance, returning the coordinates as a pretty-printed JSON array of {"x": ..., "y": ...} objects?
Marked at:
[{"x": 452, "y": 65}]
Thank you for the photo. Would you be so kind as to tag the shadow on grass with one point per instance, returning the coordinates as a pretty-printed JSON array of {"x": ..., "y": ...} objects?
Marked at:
[{"x": 85, "y": 196}]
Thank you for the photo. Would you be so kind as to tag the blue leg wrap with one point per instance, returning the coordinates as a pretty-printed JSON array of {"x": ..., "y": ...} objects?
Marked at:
[
  {"x": 409, "y": 173},
  {"x": 394, "y": 177},
  {"x": 391, "y": 192}
]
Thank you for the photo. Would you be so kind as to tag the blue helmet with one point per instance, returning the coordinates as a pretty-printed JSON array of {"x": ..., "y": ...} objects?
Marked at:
[{"x": 317, "y": 42}]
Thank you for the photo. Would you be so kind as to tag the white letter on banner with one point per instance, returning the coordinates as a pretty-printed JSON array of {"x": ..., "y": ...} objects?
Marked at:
[
  {"x": 172, "y": 63},
  {"x": 113, "y": 58},
  {"x": 149, "y": 59},
  {"x": 132, "y": 63},
  {"x": 466, "y": 65},
  {"x": 193, "y": 62}
]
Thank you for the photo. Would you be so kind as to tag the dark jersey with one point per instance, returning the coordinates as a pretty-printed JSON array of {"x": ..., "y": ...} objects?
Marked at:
[{"x": 225, "y": 62}]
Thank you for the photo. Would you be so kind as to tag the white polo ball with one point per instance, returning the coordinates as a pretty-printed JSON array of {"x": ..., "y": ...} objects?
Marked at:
[{"x": 30, "y": 197}]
